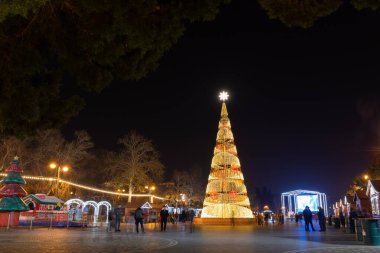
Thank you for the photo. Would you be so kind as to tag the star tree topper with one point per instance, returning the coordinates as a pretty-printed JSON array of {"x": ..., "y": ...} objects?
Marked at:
[{"x": 223, "y": 96}]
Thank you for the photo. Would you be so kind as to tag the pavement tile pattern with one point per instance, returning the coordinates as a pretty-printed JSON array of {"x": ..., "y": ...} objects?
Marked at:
[{"x": 290, "y": 238}]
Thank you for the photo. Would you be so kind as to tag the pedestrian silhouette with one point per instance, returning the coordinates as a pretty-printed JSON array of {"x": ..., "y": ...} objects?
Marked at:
[
  {"x": 164, "y": 214},
  {"x": 139, "y": 219},
  {"x": 308, "y": 216},
  {"x": 117, "y": 218},
  {"x": 321, "y": 219}
]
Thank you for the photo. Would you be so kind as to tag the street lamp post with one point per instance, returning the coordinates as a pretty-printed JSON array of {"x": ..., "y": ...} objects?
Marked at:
[
  {"x": 59, "y": 168},
  {"x": 150, "y": 189},
  {"x": 183, "y": 199}
]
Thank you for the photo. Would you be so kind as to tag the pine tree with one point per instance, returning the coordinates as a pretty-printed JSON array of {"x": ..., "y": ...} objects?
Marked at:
[
  {"x": 226, "y": 193},
  {"x": 11, "y": 194}
]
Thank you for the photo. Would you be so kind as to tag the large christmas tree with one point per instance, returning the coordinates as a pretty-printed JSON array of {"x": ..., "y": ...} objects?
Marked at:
[
  {"x": 226, "y": 194},
  {"x": 10, "y": 195}
]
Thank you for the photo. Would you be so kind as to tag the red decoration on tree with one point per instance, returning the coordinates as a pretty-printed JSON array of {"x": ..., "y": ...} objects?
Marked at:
[
  {"x": 214, "y": 195},
  {"x": 232, "y": 194},
  {"x": 235, "y": 169},
  {"x": 12, "y": 190},
  {"x": 14, "y": 167},
  {"x": 219, "y": 146}
]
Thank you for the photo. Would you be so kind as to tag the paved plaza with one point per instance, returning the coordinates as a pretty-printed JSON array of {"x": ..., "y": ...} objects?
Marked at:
[{"x": 290, "y": 238}]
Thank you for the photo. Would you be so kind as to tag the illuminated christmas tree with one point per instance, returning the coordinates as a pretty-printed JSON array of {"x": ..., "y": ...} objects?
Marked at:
[
  {"x": 11, "y": 194},
  {"x": 226, "y": 193}
]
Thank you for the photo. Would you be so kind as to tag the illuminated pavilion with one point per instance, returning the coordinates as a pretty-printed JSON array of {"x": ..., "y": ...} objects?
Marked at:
[{"x": 291, "y": 205}]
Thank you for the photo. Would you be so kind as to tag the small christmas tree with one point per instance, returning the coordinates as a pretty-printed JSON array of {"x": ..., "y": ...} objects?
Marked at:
[{"x": 10, "y": 195}]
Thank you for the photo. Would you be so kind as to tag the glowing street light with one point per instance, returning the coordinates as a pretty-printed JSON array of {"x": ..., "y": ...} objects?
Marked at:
[
  {"x": 150, "y": 189},
  {"x": 366, "y": 177},
  {"x": 59, "y": 168}
]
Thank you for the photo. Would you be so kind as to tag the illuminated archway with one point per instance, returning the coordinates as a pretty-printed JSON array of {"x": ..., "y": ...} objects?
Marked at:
[
  {"x": 108, "y": 208},
  {"x": 74, "y": 201},
  {"x": 95, "y": 205}
]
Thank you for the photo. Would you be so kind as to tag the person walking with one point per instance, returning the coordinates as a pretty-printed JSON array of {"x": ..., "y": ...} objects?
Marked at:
[
  {"x": 329, "y": 220},
  {"x": 164, "y": 214},
  {"x": 109, "y": 225},
  {"x": 176, "y": 217},
  {"x": 321, "y": 219},
  {"x": 353, "y": 216},
  {"x": 266, "y": 218},
  {"x": 281, "y": 218},
  {"x": 259, "y": 219},
  {"x": 342, "y": 220},
  {"x": 117, "y": 218},
  {"x": 191, "y": 217},
  {"x": 308, "y": 216},
  {"x": 139, "y": 215}
]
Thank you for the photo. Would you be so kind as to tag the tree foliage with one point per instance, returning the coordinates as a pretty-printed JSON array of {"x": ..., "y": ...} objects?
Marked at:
[
  {"x": 373, "y": 168},
  {"x": 87, "y": 42},
  {"x": 136, "y": 165},
  {"x": 180, "y": 185},
  {"x": 9, "y": 147},
  {"x": 198, "y": 183},
  {"x": 39, "y": 151},
  {"x": 304, "y": 13},
  {"x": 366, "y": 4},
  {"x": 263, "y": 196},
  {"x": 372, "y": 171},
  {"x": 299, "y": 13},
  {"x": 191, "y": 183},
  {"x": 19, "y": 7}
]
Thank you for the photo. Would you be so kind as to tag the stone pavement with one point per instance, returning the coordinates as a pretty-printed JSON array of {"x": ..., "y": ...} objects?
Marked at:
[{"x": 290, "y": 238}]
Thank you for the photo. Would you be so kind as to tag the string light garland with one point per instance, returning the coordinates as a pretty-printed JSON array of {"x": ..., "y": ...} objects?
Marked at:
[{"x": 41, "y": 178}]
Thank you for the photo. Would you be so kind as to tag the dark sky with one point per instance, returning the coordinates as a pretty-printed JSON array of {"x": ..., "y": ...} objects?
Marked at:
[{"x": 297, "y": 98}]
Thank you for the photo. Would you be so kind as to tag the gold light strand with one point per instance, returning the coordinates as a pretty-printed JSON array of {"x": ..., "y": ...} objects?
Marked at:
[{"x": 87, "y": 187}]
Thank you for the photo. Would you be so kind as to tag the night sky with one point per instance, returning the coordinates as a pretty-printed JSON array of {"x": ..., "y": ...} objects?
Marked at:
[{"x": 303, "y": 103}]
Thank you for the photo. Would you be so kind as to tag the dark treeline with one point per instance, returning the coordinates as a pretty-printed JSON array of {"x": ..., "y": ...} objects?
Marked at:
[{"x": 133, "y": 166}]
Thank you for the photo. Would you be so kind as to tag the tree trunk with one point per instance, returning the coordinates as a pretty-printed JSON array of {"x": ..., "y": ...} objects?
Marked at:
[{"x": 130, "y": 192}]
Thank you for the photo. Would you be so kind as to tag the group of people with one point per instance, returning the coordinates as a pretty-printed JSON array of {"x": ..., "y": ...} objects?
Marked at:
[
  {"x": 308, "y": 217},
  {"x": 340, "y": 220},
  {"x": 165, "y": 216},
  {"x": 139, "y": 218},
  {"x": 118, "y": 213},
  {"x": 267, "y": 217}
]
